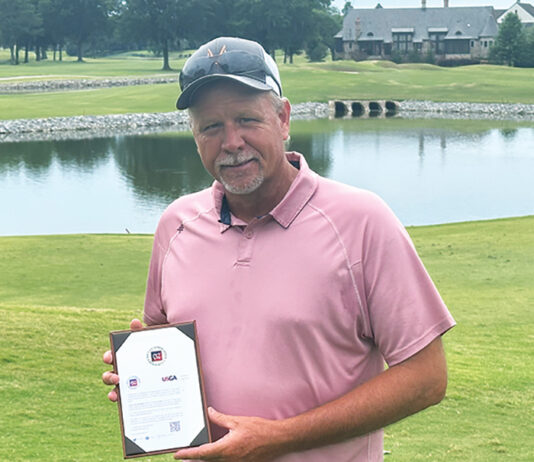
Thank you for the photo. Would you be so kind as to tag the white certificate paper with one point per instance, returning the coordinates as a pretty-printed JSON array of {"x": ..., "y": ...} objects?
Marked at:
[{"x": 161, "y": 399}]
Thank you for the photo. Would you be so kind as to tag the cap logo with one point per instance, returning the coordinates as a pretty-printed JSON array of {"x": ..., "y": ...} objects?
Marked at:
[{"x": 211, "y": 55}]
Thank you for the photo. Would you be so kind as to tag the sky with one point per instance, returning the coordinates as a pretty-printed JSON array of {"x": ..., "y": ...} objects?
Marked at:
[{"x": 497, "y": 4}]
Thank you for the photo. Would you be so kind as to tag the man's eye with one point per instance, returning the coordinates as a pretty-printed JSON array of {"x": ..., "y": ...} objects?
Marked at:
[{"x": 209, "y": 127}]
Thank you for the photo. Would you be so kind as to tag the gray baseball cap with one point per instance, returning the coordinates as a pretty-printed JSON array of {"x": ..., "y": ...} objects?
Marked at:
[{"x": 231, "y": 58}]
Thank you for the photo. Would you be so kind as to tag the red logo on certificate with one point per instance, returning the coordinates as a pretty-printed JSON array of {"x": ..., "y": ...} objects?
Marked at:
[{"x": 156, "y": 356}]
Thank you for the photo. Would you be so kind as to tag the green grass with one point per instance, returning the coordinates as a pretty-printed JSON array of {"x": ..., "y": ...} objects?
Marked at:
[
  {"x": 116, "y": 100},
  {"x": 61, "y": 295},
  {"x": 302, "y": 81},
  {"x": 123, "y": 65},
  {"x": 484, "y": 271}
]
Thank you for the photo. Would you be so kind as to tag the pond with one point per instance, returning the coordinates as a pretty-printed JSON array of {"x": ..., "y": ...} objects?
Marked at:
[{"x": 428, "y": 171}]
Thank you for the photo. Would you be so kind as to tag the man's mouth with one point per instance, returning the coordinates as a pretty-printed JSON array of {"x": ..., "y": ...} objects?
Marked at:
[{"x": 237, "y": 164}]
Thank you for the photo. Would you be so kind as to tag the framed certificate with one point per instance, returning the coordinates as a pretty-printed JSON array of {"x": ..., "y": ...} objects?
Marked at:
[{"x": 162, "y": 406}]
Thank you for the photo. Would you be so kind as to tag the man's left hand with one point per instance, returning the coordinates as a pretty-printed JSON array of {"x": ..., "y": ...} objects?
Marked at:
[{"x": 251, "y": 439}]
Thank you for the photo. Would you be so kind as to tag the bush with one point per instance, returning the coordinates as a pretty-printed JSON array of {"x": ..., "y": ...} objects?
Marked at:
[
  {"x": 457, "y": 62},
  {"x": 316, "y": 51},
  {"x": 396, "y": 56},
  {"x": 430, "y": 57},
  {"x": 414, "y": 57}
]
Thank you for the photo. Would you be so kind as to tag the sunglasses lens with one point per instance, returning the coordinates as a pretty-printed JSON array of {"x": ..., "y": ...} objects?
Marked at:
[{"x": 232, "y": 62}]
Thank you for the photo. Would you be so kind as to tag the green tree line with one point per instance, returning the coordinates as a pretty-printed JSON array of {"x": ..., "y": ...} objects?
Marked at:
[
  {"x": 514, "y": 45},
  {"x": 98, "y": 27}
]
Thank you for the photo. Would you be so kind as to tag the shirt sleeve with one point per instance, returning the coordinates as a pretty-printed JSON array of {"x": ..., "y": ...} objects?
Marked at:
[{"x": 404, "y": 309}]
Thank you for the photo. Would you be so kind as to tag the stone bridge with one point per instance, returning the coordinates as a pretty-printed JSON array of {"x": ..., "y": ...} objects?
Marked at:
[{"x": 361, "y": 108}]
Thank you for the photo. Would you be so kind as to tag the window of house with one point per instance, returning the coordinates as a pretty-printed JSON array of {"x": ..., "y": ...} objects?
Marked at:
[
  {"x": 437, "y": 42},
  {"x": 371, "y": 48},
  {"x": 472, "y": 43},
  {"x": 403, "y": 41},
  {"x": 457, "y": 47},
  {"x": 485, "y": 44}
]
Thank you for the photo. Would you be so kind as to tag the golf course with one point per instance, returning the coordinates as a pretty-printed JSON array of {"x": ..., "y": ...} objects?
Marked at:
[{"x": 61, "y": 295}]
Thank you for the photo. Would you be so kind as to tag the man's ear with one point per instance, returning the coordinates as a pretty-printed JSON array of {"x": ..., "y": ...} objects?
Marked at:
[{"x": 285, "y": 118}]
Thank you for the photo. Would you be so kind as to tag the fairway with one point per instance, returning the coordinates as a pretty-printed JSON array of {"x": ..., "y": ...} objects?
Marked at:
[
  {"x": 61, "y": 295},
  {"x": 303, "y": 81}
]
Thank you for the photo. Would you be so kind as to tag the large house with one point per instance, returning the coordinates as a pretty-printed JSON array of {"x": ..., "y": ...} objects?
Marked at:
[
  {"x": 449, "y": 33},
  {"x": 525, "y": 12}
]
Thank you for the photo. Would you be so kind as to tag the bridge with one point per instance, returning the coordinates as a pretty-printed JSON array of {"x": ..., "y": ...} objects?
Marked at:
[{"x": 360, "y": 108}]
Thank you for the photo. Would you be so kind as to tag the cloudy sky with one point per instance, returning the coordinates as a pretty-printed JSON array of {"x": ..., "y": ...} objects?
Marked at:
[{"x": 498, "y": 4}]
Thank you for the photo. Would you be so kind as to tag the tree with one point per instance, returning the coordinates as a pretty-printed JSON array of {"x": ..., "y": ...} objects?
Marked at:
[
  {"x": 218, "y": 18},
  {"x": 161, "y": 22},
  {"x": 17, "y": 21},
  {"x": 348, "y": 6},
  {"x": 327, "y": 22},
  {"x": 281, "y": 23},
  {"x": 528, "y": 58},
  {"x": 265, "y": 22},
  {"x": 84, "y": 19},
  {"x": 55, "y": 23},
  {"x": 510, "y": 45}
]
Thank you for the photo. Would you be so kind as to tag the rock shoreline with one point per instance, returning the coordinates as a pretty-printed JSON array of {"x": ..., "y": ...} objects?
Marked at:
[
  {"x": 501, "y": 111},
  {"x": 35, "y": 86},
  {"x": 83, "y": 127}
]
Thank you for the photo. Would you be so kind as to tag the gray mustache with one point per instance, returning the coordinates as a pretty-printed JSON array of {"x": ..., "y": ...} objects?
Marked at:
[{"x": 231, "y": 161}]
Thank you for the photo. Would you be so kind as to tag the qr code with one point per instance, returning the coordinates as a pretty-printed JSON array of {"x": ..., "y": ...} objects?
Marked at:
[{"x": 175, "y": 426}]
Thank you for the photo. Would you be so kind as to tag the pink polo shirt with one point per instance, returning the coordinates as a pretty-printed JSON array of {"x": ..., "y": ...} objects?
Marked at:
[{"x": 299, "y": 306}]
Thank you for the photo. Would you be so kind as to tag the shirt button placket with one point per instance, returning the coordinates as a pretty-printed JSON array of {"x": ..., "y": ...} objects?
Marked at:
[{"x": 245, "y": 248}]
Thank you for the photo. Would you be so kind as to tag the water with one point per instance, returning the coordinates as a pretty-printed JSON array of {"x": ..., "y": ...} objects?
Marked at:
[{"x": 428, "y": 172}]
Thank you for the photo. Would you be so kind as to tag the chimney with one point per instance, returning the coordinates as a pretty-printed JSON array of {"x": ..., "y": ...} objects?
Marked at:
[
  {"x": 358, "y": 28},
  {"x": 423, "y": 5},
  {"x": 445, "y": 3}
]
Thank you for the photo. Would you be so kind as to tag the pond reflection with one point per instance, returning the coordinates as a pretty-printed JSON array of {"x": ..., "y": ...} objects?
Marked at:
[
  {"x": 160, "y": 168},
  {"x": 427, "y": 171}
]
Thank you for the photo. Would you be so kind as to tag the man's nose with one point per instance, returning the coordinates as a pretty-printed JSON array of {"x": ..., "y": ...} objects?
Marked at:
[{"x": 232, "y": 140}]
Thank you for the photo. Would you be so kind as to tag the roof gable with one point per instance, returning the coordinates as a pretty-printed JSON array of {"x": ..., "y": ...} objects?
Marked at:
[
  {"x": 528, "y": 8},
  {"x": 525, "y": 11}
]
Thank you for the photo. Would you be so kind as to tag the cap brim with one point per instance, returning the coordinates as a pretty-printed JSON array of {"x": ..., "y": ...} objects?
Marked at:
[{"x": 184, "y": 100}]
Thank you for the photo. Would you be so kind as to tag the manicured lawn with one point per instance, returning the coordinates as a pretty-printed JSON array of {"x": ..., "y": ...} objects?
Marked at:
[
  {"x": 123, "y": 65},
  {"x": 302, "y": 82},
  {"x": 61, "y": 295}
]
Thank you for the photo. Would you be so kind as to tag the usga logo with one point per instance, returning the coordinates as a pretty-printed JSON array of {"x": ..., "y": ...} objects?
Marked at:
[
  {"x": 169, "y": 378},
  {"x": 156, "y": 356}
]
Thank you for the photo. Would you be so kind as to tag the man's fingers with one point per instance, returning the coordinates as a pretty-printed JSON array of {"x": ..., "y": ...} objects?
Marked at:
[
  {"x": 107, "y": 357},
  {"x": 220, "y": 419},
  {"x": 135, "y": 324},
  {"x": 208, "y": 451},
  {"x": 110, "y": 378},
  {"x": 112, "y": 395}
]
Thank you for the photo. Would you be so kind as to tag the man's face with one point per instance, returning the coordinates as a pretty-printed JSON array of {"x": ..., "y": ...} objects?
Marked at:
[{"x": 240, "y": 136}]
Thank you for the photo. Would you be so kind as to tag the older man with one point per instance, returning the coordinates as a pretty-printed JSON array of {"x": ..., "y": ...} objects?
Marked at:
[{"x": 301, "y": 287}]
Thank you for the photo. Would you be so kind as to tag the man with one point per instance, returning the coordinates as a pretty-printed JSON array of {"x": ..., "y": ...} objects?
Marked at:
[{"x": 301, "y": 287}]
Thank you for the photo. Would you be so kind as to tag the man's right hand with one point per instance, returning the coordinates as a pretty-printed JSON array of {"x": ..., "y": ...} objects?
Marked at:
[{"x": 109, "y": 377}]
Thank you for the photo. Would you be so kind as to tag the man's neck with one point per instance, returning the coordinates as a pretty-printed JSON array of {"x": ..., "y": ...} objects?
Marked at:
[{"x": 246, "y": 207}]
